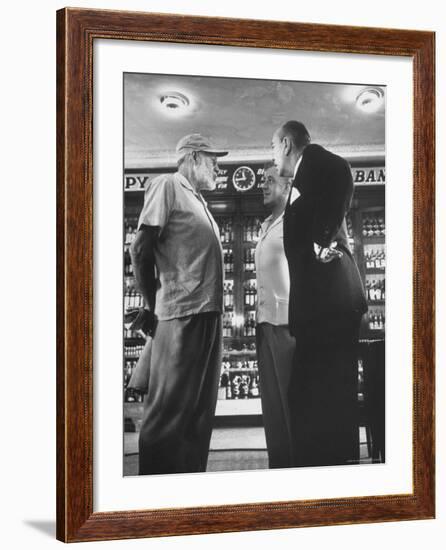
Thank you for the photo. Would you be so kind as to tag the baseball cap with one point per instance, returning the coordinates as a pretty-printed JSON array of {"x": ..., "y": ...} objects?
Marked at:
[{"x": 197, "y": 142}]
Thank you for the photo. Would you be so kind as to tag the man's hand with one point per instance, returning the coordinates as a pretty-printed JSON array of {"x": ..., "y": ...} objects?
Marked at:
[
  {"x": 327, "y": 255},
  {"x": 141, "y": 319}
]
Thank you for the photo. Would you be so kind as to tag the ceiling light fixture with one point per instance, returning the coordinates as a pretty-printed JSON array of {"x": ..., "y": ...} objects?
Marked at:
[
  {"x": 174, "y": 101},
  {"x": 370, "y": 99}
]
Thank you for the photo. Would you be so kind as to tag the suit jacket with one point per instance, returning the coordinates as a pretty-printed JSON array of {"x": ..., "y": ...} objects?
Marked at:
[{"x": 319, "y": 290}]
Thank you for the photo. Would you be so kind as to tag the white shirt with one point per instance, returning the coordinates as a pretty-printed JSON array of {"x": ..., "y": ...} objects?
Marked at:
[
  {"x": 273, "y": 281},
  {"x": 294, "y": 192}
]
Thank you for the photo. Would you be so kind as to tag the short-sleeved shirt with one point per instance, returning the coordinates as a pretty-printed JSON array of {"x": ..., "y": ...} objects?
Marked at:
[
  {"x": 273, "y": 280},
  {"x": 188, "y": 252}
]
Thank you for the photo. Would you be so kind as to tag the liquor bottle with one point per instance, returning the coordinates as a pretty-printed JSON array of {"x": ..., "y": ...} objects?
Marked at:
[
  {"x": 366, "y": 259},
  {"x": 365, "y": 227},
  {"x": 236, "y": 387},
  {"x": 254, "y": 388},
  {"x": 127, "y": 261},
  {"x": 228, "y": 326},
  {"x": 349, "y": 227},
  {"x": 372, "y": 291},
  {"x": 227, "y": 233},
  {"x": 367, "y": 289},
  {"x": 226, "y": 298},
  {"x": 244, "y": 386},
  {"x": 377, "y": 258},
  {"x": 224, "y": 382},
  {"x": 229, "y": 390},
  {"x": 378, "y": 292}
]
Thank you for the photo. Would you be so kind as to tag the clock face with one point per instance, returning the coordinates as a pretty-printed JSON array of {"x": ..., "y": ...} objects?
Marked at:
[{"x": 243, "y": 178}]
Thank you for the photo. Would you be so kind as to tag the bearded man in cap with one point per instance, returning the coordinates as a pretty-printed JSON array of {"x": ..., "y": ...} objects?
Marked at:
[{"x": 178, "y": 264}]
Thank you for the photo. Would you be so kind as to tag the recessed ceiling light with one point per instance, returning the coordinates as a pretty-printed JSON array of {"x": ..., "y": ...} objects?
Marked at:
[
  {"x": 370, "y": 99},
  {"x": 174, "y": 101}
]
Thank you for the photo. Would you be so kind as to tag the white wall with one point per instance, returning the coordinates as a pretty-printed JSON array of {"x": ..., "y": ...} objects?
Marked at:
[{"x": 28, "y": 276}]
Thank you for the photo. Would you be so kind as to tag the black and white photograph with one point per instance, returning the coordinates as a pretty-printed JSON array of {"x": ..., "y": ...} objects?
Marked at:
[{"x": 254, "y": 271}]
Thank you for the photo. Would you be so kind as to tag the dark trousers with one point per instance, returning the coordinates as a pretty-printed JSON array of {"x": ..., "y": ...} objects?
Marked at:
[
  {"x": 275, "y": 352},
  {"x": 323, "y": 393},
  {"x": 180, "y": 405}
]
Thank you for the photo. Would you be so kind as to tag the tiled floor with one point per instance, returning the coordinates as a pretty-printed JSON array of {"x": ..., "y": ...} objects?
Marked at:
[{"x": 231, "y": 449}]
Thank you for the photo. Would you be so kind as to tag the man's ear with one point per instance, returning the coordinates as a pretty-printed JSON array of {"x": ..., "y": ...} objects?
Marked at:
[{"x": 287, "y": 145}]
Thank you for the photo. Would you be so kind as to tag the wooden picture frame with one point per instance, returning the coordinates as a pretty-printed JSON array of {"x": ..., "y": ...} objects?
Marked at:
[{"x": 76, "y": 31}]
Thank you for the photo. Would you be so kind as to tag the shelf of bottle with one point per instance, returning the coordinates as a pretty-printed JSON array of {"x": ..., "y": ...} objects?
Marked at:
[
  {"x": 375, "y": 332},
  {"x": 376, "y": 302},
  {"x": 240, "y": 353},
  {"x": 249, "y": 274},
  {"x": 373, "y": 239},
  {"x": 376, "y": 271},
  {"x": 134, "y": 340},
  {"x": 240, "y": 369},
  {"x": 237, "y": 337}
]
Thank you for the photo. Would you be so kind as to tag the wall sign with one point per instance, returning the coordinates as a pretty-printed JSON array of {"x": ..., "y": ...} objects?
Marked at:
[{"x": 248, "y": 177}]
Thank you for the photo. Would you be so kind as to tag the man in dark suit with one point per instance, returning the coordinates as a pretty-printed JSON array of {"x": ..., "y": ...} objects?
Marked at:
[{"x": 326, "y": 304}]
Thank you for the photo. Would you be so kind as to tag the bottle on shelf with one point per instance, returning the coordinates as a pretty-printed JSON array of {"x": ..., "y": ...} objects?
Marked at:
[
  {"x": 254, "y": 388},
  {"x": 228, "y": 295},
  {"x": 235, "y": 386},
  {"x": 373, "y": 226},
  {"x": 249, "y": 259},
  {"x": 249, "y": 327},
  {"x": 376, "y": 320},
  {"x": 250, "y": 293},
  {"x": 226, "y": 230},
  {"x": 228, "y": 259}
]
